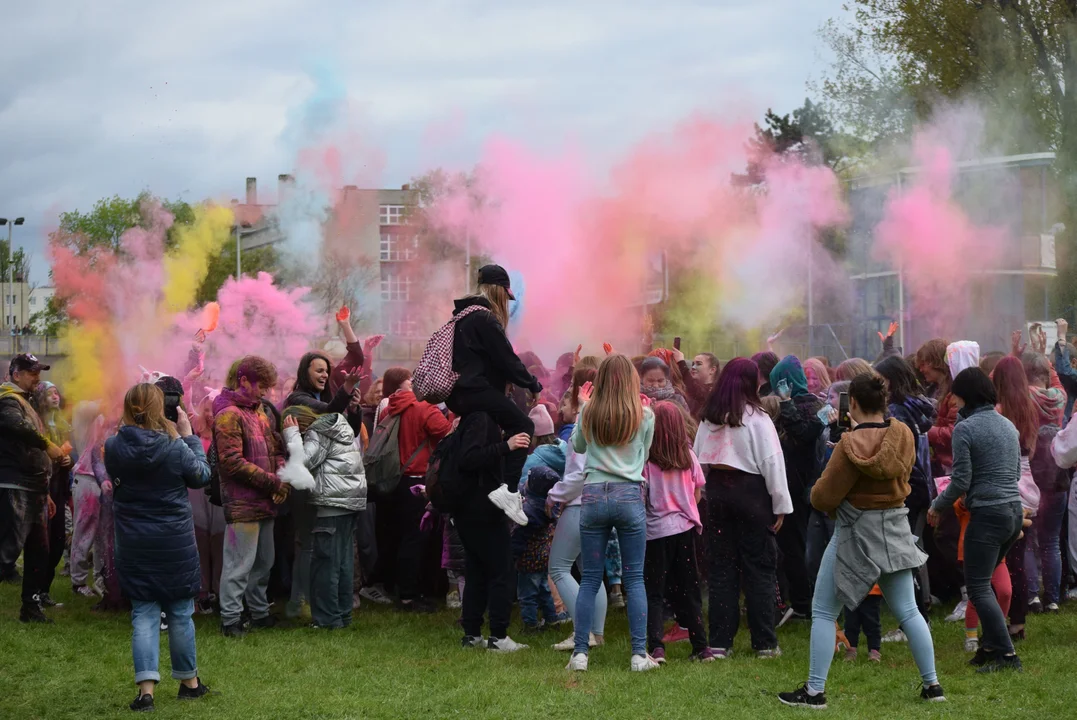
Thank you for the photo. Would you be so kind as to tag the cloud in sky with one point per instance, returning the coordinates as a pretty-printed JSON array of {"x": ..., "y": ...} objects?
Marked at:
[{"x": 117, "y": 96}]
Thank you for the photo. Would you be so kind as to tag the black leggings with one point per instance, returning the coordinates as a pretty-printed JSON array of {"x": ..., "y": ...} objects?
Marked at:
[{"x": 511, "y": 419}]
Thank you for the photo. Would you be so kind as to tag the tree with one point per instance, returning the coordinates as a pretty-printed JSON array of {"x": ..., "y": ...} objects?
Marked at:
[{"x": 807, "y": 135}]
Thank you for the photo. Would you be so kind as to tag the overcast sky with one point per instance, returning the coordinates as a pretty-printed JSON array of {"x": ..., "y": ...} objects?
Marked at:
[{"x": 186, "y": 100}]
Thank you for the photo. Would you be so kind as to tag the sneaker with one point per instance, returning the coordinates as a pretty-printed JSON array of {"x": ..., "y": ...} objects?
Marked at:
[
  {"x": 616, "y": 599},
  {"x": 85, "y": 591},
  {"x": 418, "y": 605},
  {"x": 1000, "y": 663},
  {"x": 569, "y": 643},
  {"x": 535, "y": 629},
  {"x": 1071, "y": 594},
  {"x": 676, "y": 635},
  {"x": 142, "y": 703},
  {"x": 452, "y": 600},
  {"x": 234, "y": 630},
  {"x": 578, "y": 663},
  {"x": 504, "y": 645},
  {"x": 562, "y": 618},
  {"x": 791, "y": 614},
  {"x": 959, "y": 612},
  {"x": 659, "y": 655},
  {"x": 769, "y": 653},
  {"x": 1052, "y": 607},
  {"x": 850, "y": 655},
  {"x": 801, "y": 698},
  {"x": 31, "y": 613},
  {"x": 643, "y": 663},
  {"x": 375, "y": 594},
  {"x": 972, "y": 644},
  {"x": 510, "y": 503},
  {"x": 473, "y": 641},
  {"x": 895, "y": 636},
  {"x": 204, "y": 606},
  {"x": 932, "y": 693},
  {"x": 164, "y": 622},
  {"x": 875, "y": 656},
  {"x": 45, "y": 601},
  {"x": 199, "y": 691},
  {"x": 1035, "y": 605},
  {"x": 99, "y": 585},
  {"x": 263, "y": 623},
  {"x": 705, "y": 655},
  {"x": 720, "y": 653}
]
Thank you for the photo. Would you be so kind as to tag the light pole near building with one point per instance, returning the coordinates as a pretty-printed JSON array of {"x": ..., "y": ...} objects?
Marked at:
[{"x": 10, "y": 263}]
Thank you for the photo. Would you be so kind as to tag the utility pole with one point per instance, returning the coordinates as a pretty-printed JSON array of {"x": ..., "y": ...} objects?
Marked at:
[{"x": 10, "y": 265}]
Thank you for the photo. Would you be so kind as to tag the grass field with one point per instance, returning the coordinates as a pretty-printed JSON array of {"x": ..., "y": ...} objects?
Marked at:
[{"x": 391, "y": 666}]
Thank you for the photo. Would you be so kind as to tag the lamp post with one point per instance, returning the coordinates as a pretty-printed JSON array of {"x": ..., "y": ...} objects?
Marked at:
[{"x": 10, "y": 261}]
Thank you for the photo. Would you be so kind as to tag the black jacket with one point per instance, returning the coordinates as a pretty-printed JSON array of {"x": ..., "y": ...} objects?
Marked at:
[
  {"x": 156, "y": 554},
  {"x": 918, "y": 414},
  {"x": 482, "y": 452},
  {"x": 803, "y": 444},
  {"x": 483, "y": 355},
  {"x": 24, "y": 458}
]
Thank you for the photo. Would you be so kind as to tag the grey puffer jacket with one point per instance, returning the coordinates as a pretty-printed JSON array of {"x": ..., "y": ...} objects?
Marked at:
[{"x": 334, "y": 458}]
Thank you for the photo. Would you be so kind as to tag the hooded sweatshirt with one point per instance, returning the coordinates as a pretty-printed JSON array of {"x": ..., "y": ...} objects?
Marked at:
[
  {"x": 531, "y": 542},
  {"x": 249, "y": 452},
  {"x": 333, "y": 457},
  {"x": 870, "y": 468},
  {"x": 483, "y": 355},
  {"x": 422, "y": 426},
  {"x": 26, "y": 452},
  {"x": 800, "y": 429}
]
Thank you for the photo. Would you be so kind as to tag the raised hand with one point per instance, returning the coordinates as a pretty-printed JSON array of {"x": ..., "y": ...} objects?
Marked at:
[
  {"x": 183, "y": 423},
  {"x": 372, "y": 342},
  {"x": 1017, "y": 347},
  {"x": 577, "y": 355},
  {"x": 608, "y": 348},
  {"x": 586, "y": 390},
  {"x": 344, "y": 314},
  {"x": 889, "y": 333},
  {"x": 352, "y": 379}
]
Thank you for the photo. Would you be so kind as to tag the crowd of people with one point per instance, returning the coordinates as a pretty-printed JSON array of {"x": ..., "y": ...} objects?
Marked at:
[{"x": 807, "y": 492}]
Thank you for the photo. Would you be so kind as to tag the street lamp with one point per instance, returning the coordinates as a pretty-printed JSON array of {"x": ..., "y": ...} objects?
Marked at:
[{"x": 10, "y": 259}]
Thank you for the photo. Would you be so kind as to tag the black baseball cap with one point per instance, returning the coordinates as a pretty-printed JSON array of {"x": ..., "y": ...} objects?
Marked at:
[
  {"x": 26, "y": 363},
  {"x": 495, "y": 275}
]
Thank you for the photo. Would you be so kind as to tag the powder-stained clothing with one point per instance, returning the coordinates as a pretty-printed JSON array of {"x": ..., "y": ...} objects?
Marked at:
[
  {"x": 249, "y": 453},
  {"x": 752, "y": 448},
  {"x": 987, "y": 461},
  {"x": 671, "y": 503},
  {"x": 26, "y": 452},
  {"x": 531, "y": 542}
]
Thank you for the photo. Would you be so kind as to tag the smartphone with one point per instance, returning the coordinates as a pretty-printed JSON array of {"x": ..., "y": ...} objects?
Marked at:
[
  {"x": 172, "y": 403},
  {"x": 843, "y": 411},
  {"x": 782, "y": 388},
  {"x": 676, "y": 343}
]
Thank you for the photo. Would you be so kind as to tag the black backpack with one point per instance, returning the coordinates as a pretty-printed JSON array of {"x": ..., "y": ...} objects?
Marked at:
[
  {"x": 213, "y": 490},
  {"x": 445, "y": 484}
]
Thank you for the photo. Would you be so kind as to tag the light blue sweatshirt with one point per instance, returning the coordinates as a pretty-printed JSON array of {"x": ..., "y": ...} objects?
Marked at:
[{"x": 616, "y": 463}]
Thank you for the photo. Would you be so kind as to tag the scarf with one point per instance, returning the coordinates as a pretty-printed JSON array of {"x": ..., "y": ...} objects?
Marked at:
[
  {"x": 1050, "y": 405},
  {"x": 659, "y": 394},
  {"x": 790, "y": 370}
]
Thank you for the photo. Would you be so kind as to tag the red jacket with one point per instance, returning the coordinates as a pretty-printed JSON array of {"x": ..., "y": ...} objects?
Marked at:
[
  {"x": 941, "y": 435},
  {"x": 420, "y": 424}
]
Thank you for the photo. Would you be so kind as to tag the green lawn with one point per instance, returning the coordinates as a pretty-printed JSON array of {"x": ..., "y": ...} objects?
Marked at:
[{"x": 390, "y": 666}]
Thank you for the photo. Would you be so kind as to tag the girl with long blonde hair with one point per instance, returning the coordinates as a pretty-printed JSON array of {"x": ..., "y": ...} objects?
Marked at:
[{"x": 615, "y": 429}]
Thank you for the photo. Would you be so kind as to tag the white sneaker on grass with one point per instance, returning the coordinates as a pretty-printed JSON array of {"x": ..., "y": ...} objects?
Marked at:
[
  {"x": 504, "y": 645},
  {"x": 569, "y": 643},
  {"x": 959, "y": 612},
  {"x": 895, "y": 636},
  {"x": 578, "y": 663},
  {"x": 972, "y": 644},
  {"x": 643, "y": 663},
  {"x": 375, "y": 594},
  {"x": 510, "y": 503}
]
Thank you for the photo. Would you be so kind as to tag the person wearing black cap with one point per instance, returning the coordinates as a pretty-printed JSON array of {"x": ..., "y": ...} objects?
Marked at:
[
  {"x": 26, "y": 458},
  {"x": 488, "y": 367}
]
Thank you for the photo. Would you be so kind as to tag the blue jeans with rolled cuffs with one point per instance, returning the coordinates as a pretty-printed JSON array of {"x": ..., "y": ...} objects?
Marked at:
[
  {"x": 146, "y": 639},
  {"x": 605, "y": 506}
]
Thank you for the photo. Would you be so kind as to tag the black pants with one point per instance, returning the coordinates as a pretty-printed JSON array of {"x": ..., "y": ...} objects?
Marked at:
[
  {"x": 487, "y": 574},
  {"x": 793, "y": 542},
  {"x": 58, "y": 491},
  {"x": 366, "y": 545},
  {"x": 866, "y": 617},
  {"x": 991, "y": 533},
  {"x": 511, "y": 419},
  {"x": 670, "y": 573},
  {"x": 1015, "y": 563},
  {"x": 331, "y": 571},
  {"x": 742, "y": 550},
  {"x": 400, "y": 540},
  {"x": 24, "y": 529}
]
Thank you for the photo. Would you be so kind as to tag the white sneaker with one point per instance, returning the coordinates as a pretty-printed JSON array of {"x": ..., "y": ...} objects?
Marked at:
[
  {"x": 452, "y": 600},
  {"x": 569, "y": 643},
  {"x": 578, "y": 663},
  {"x": 1071, "y": 594},
  {"x": 376, "y": 595},
  {"x": 643, "y": 663},
  {"x": 959, "y": 612},
  {"x": 895, "y": 636},
  {"x": 504, "y": 645},
  {"x": 972, "y": 645},
  {"x": 510, "y": 503}
]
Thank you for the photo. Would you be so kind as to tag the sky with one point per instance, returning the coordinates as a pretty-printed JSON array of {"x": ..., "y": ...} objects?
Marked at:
[{"x": 187, "y": 100}]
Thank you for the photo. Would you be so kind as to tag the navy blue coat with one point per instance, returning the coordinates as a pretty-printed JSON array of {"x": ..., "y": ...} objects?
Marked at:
[{"x": 156, "y": 554}]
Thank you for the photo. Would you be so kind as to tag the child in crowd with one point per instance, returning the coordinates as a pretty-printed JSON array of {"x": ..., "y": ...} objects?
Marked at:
[
  {"x": 675, "y": 484},
  {"x": 865, "y": 617},
  {"x": 531, "y": 552}
]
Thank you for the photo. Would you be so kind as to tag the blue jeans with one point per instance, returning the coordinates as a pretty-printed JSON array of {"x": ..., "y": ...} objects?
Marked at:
[
  {"x": 613, "y": 560},
  {"x": 146, "y": 638},
  {"x": 564, "y": 551},
  {"x": 534, "y": 593},
  {"x": 900, "y": 596},
  {"x": 1048, "y": 525},
  {"x": 606, "y": 506}
]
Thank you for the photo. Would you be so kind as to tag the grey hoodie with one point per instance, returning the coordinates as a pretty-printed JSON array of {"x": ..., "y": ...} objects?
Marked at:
[{"x": 336, "y": 462}]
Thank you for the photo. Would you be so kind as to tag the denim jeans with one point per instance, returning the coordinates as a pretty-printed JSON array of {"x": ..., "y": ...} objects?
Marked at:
[
  {"x": 613, "y": 560},
  {"x": 991, "y": 533},
  {"x": 332, "y": 568},
  {"x": 606, "y": 506},
  {"x": 146, "y": 638},
  {"x": 564, "y": 551},
  {"x": 534, "y": 593},
  {"x": 1048, "y": 526},
  {"x": 900, "y": 596}
]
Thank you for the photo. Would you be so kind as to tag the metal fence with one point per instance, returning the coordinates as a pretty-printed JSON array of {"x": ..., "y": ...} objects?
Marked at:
[{"x": 40, "y": 345}]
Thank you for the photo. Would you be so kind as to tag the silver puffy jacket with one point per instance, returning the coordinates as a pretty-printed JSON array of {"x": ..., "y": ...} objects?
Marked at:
[{"x": 335, "y": 460}]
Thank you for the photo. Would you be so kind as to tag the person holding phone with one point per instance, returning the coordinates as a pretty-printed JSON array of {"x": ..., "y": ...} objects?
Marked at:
[{"x": 865, "y": 485}]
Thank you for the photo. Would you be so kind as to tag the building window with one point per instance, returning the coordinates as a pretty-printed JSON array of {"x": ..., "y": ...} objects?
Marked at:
[
  {"x": 405, "y": 327},
  {"x": 396, "y": 288},
  {"x": 33, "y": 302},
  {"x": 392, "y": 214},
  {"x": 399, "y": 247}
]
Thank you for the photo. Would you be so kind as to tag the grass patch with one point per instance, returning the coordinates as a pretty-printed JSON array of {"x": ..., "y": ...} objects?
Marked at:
[{"x": 392, "y": 666}]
